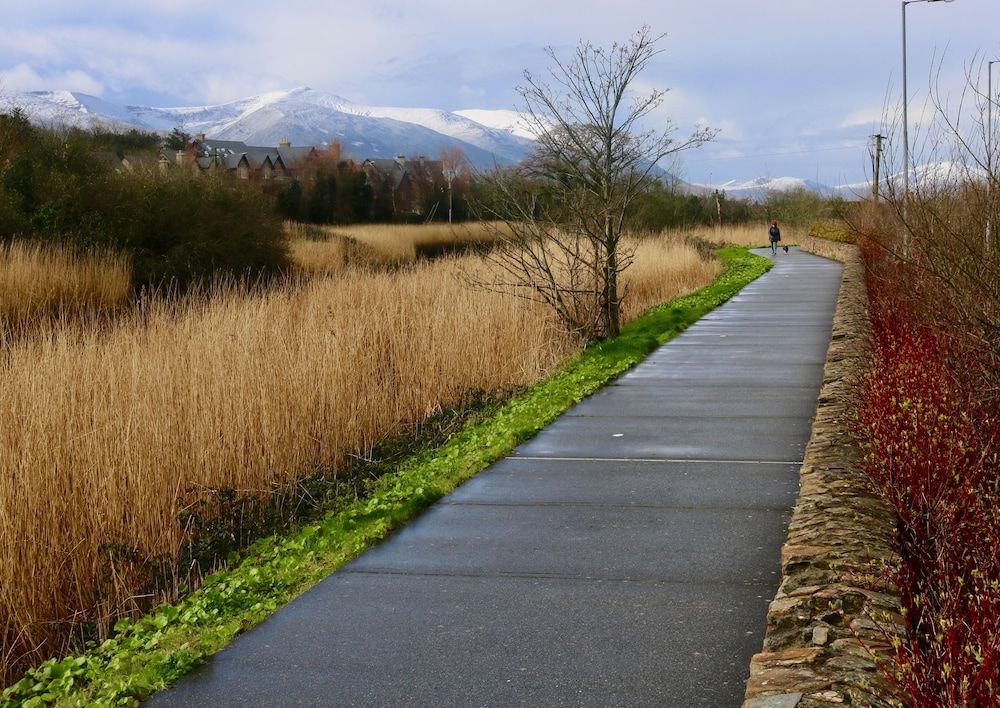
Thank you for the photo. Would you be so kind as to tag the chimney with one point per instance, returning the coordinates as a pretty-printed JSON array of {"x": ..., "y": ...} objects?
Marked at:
[
  {"x": 284, "y": 143},
  {"x": 200, "y": 137},
  {"x": 401, "y": 159}
]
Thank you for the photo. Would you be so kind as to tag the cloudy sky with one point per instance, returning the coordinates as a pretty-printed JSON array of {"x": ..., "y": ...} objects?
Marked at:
[{"x": 796, "y": 86}]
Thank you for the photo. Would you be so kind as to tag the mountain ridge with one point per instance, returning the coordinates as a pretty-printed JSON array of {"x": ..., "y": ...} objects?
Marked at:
[
  {"x": 305, "y": 116},
  {"x": 301, "y": 115}
]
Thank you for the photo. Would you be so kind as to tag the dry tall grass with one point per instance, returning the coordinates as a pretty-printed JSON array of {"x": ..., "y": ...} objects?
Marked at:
[
  {"x": 754, "y": 235},
  {"x": 39, "y": 280},
  {"x": 662, "y": 270},
  {"x": 110, "y": 433},
  {"x": 319, "y": 250},
  {"x": 324, "y": 257}
]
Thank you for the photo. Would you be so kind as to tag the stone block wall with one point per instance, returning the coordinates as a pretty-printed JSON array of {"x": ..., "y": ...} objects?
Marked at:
[{"x": 820, "y": 628}]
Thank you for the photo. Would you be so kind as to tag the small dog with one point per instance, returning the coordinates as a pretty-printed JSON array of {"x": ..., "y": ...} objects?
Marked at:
[{"x": 786, "y": 248}]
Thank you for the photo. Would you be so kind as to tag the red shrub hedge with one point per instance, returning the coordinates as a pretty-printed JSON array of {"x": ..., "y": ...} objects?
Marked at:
[{"x": 930, "y": 447}]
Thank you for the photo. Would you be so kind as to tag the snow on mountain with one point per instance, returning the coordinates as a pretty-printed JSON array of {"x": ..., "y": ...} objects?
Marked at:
[
  {"x": 496, "y": 141},
  {"x": 309, "y": 117},
  {"x": 930, "y": 176},
  {"x": 941, "y": 174},
  {"x": 302, "y": 115},
  {"x": 757, "y": 189},
  {"x": 512, "y": 122},
  {"x": 212, "y": 119},
  {"x": 68, "y": 108},
  {"x": 853, "y": 189}
]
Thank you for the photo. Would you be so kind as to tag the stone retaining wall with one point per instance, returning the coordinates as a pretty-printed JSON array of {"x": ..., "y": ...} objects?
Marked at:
[{"x": 820, "y": 622}]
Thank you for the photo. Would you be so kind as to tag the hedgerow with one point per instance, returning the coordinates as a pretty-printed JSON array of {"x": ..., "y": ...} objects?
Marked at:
[{"x": 931, "y": 438}]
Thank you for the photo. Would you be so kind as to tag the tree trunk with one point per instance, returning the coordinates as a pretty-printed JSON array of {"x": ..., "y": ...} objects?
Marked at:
[{"x": 611, "y": 304}]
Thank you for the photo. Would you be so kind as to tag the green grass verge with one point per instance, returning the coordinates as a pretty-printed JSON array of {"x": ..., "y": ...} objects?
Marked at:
[{"x": 147, "y": 655}]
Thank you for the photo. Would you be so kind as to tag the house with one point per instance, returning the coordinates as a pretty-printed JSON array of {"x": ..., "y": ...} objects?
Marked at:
[
  {"x": 244, "y": 161},
  {"x": 413, "y": 186}
]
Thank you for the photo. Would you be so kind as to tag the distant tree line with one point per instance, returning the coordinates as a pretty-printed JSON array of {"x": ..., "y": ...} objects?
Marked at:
[
  {"x": 180, "y": 227},
  {"x": 664, "y": 206},
  {"x": 336, "y": 191},
  {"x": 176, "y": 227},
  {"x": 344, "y": 192}
]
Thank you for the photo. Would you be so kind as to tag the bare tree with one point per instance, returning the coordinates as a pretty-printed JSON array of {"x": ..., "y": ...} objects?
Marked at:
[
  {"x": 946, "y": 236},
  {"x": 453, "y": 164},
  {"x": 565, "y": 209}
]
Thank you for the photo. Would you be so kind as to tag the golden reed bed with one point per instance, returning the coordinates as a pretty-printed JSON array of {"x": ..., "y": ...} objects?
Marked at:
[{"x": 111, "y": 430}]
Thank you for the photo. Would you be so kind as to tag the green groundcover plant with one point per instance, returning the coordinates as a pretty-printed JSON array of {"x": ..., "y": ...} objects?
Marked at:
[{"x": 147, "y": 655}]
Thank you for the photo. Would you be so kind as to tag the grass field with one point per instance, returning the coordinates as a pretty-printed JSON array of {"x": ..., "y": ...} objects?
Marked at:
[
  {"x": 115, "y": 431},
  {"x": 326, "y": 249},
  {"x": 38, "y": 281}
]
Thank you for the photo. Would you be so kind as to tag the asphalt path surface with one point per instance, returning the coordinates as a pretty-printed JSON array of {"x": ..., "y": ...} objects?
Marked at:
[{"x": 625, "y": 556}]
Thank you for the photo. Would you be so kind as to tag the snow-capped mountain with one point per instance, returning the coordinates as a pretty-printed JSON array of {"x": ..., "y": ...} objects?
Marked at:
[
  {"x": 492, "y": 135},
  {"x": 757, "y": 189},
  {"x": 306, "y": 116},
  {"x": 512, "y": 122},
  {"x": 928, "y": 177},
  {"x": 303, "y": 116},
  {"x": 67, "y": 108}
]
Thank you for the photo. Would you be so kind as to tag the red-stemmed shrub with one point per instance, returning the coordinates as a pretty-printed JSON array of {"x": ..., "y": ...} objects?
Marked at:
[{"x": 930, "y": 443}]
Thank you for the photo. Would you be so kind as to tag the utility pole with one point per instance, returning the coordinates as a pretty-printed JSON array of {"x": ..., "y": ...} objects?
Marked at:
[{"x": 877, "y": 159}]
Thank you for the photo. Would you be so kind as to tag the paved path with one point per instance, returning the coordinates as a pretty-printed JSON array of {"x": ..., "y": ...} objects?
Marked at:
[{"x": 625, "y": 556}]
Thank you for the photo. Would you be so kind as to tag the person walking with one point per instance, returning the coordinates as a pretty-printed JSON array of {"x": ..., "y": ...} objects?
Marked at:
[{"x": 775, "y": 235}]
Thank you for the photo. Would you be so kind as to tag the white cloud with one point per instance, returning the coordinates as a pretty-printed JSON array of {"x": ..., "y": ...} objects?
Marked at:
[
  {"x": 728, "y": 129},
  {"x": 761, "y": 71},
  {"x": 864, "y": 117},
  {"x": 23, "y": 78},
  {"x": 27, "y": 43}
]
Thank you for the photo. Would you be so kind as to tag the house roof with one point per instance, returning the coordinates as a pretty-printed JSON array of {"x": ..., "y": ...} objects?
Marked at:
[
  {"x": 388, "y": 168},
  {"x": 222, "y": 146},
  {"x": 257, "y": 156},
  {"x": 231, "y": 162},
  {"x": 396, "y": 172},
  {"x": 294, "y": 156}
]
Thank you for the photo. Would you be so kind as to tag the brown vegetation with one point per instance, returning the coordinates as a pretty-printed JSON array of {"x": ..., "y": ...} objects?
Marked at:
[
  {"x": 929, "y": 412},
  {"x": 325, "y": 249},
  {"x": 753, "y": 235},
  {"x": 662, "y": 269},
  {"x": 38, "y": 280},
  {"x": 110, "y": 434}
]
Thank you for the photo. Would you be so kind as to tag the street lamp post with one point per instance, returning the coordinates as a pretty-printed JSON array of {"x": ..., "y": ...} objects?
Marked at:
[
  {"x": 989, "y": 150},
  {"x": 906, "y": 122},
  {"x": 449, "y": 175}
]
